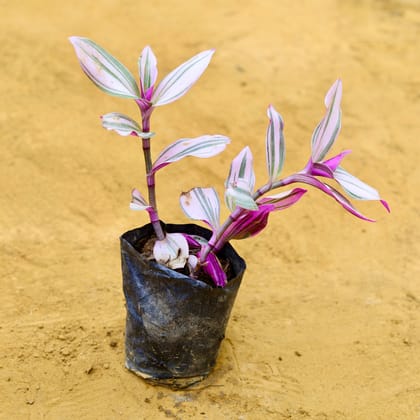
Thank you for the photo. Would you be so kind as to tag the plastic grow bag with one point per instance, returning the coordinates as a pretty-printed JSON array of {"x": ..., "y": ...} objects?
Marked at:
[{"x": 175, "y": 323}]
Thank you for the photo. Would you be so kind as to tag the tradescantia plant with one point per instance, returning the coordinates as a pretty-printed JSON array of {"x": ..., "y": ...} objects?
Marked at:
[
  {"x": 112, "y": 77},
  {"x": 250, "y": 207}
]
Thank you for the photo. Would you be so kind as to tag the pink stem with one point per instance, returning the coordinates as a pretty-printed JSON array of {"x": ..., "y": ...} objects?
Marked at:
[{"x": 146, "y": 113}]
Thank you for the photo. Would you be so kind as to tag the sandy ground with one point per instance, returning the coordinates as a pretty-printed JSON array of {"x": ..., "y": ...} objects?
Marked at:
[{"x": 326, "y": 324}]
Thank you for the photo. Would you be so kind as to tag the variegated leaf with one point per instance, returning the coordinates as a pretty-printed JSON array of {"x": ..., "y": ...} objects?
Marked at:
[
  {"x": 192, "y": 241},
  {"x": 202, "y": 147},
  {"x": 123, "y": 125},
  {"x": 252, "y": 222},
  {"x": 321, "y": 169},
  {"x": 202, "y": 204},
  {"x": 180, "y": 80},
  {"x": 138, "y": 202},
  {"x": 214, "y": 269},
  {"x": 335, "y": 161},
  {"x": 274, "y": 144},
  {"x": 104, "y": 70},
  {"x": 327, "y": 130},
  {"x": 354, "y": 187},
  {"x": 171, "y": 251},
  {"x": 249, "y": 223},
  {"x": 241, "y": 173},
  {"x": 332, "y": 192},
  {"x": 240, "y": 182},
  {"x": 196, "y": 241},
  {"x": 148, "y": 72},
  {"x": 238, "y": 197}
]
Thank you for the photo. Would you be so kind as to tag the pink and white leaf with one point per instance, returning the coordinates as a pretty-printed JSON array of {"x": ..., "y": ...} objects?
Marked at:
[
  {"x": 320, "y": 169},
  {"x": 148, "y": 72},
  {"x": 123, "y": 125},
  {"x": 179, "y": 81},
  {"x": 214, "y": 269},
  {"x": 202, "y": 204},
  {"x": 172, "y": 251},
  {"x": 104, "y": 70},
  {"x": 332, "y": 192},
  {"x": 138, "y": 202},
  {"x": 241, "y": 173},
  {"x": 356, "y": 188},
  {"x": 327, "y": 130},
  {"x": 283, "y": 200},
  {"x": 211, "y": 265},
  {"x": 239, "y": 197},
  {"x": 241, "y": 181},
  {"x": 335, "y": 161},
  {"x": 249, "y": 223},
  {"x": 195, "y": 241},
  {"x": 274, "y": 144},
  {"x": 202, "y": 147}
]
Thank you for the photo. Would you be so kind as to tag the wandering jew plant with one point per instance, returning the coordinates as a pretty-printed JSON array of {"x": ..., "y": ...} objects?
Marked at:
[{"x": 250, "y": 207}]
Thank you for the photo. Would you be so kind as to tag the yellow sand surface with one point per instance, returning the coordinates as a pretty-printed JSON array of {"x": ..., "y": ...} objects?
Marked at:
[{"x": 326, "y": 324}]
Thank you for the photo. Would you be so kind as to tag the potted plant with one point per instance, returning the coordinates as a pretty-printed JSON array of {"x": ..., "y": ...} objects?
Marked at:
[{"x": 180, "y": 281}]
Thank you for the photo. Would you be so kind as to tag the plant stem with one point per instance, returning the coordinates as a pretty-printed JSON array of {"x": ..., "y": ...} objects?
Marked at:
[
  {"x": 150, "y": 179},
  {"x": 148, "y": 163}
]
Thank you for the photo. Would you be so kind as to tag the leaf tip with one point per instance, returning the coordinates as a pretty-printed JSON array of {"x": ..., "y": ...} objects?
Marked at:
[
  {"x": 226, "y": 139},
  {"x": 339, "y": 85},
  {"x": 73, "y": 39},
  {"x": 386, "y": 205}
]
